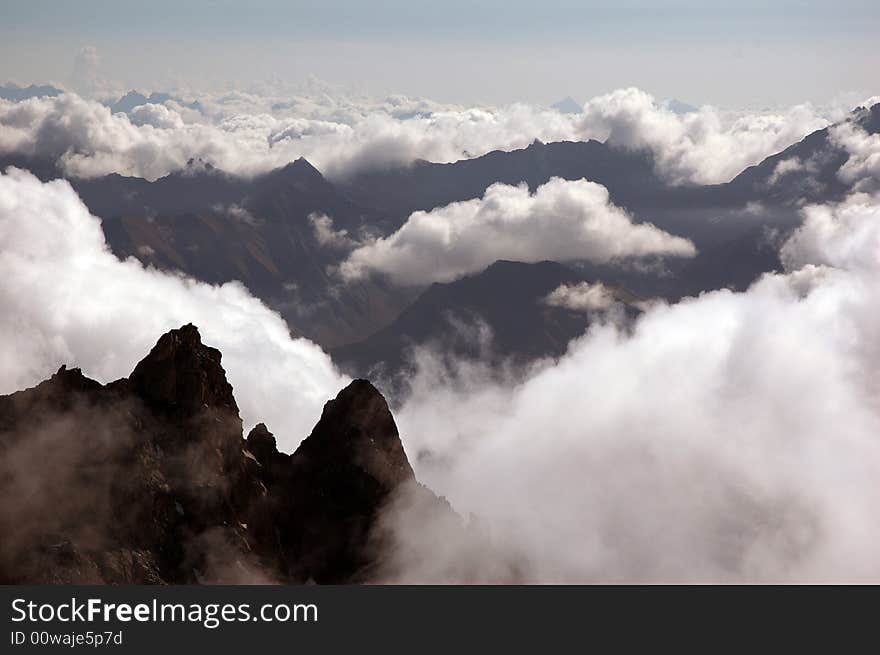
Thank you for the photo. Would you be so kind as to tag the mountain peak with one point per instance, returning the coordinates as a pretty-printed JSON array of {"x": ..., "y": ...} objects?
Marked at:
[
  {"x": 183, "y": 374},
  {"x": 196, "y": 165},
  {"x": 338, "y": 480},
  {"x": 678, "y": 107},
  {"x": 64, "y": 382},
  {"x": 357, "y": 425},
  {"x": 868, "y": 118},
  {"x": 303, "y": 166},
  {"x": 568, "y": 106},
  {"x": 301, "y": 163},
  {"x": 261, "y": 443}
]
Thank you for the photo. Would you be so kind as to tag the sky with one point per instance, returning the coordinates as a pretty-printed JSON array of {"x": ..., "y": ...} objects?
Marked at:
[{"x": 476, "y": 51}]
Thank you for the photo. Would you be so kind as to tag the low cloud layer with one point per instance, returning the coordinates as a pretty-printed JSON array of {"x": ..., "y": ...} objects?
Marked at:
[
  {"x": 731, "y": 437},
  {"x": 248, "y": 133},
  {"x": 563, "y": 220},
  {"x": 68, "y": 300}
]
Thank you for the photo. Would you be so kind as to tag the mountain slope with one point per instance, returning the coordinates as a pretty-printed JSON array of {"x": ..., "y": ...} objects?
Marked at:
[
  {"x": 806, "y": 171},
  {"x": 629, "y": 175},
  {"x": 424, "y": 185},
  {"x": 498, "y": 314},
  {"x": 220, "y": 228}
]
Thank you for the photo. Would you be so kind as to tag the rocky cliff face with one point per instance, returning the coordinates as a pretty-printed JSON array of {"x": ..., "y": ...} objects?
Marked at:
[{"x": 148, "y": 480}]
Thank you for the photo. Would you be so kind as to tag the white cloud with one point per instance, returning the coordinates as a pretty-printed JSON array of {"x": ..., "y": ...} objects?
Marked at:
[
  {"x": 862, "y": 168},
  {"x": 67, "y": 299},
  {"x": 563, "y": 220},
  {"x": 158, "y": 116},
  {"x": 731, "y": 437},
  {"x": 248, "y": 133},
  {"x": 784, "y": 167},
  {"x": 582, "y": 297},
  {"x": 322, "y": 225},
  {"x": 705, "y": 146}
]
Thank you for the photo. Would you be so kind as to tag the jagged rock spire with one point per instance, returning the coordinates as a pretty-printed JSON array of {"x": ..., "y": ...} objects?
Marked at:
[
  {"x": 183, "y": 374},
  {"x": 358, "y": 426},
  {"x": 149, "y": 480}
]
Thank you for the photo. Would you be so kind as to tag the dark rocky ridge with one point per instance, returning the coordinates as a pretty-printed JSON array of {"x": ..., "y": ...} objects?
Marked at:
[{"x": 148, "y": 480}]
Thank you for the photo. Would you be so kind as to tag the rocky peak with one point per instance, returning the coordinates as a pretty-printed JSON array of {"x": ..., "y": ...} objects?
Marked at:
[
  {"x": 869, "y": 119},
  {"x": 358, "y": 427},
  {"x": 303, "y": 165},
  {"x": 327, "y": 497},
  {"x": 196, "y": 166},
  {"x": 72, "y": 379},
  {"x": 182, "y": 375},
  {"x": 261, "y": 443},
  {"x": 148, "y": 479}
]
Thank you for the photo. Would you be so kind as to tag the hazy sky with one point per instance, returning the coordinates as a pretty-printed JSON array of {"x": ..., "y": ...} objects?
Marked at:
[{"x": 727, "y": 53}]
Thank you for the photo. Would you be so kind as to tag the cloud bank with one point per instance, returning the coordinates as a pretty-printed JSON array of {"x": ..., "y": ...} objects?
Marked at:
[
  {"x": 730, "y": 437},
  {"x": 563, "y": 220},
  {"x": 705, "y": 146},
  {"x": 67, "y": 299},
  {"x": 154, "y": 140},
  {"x": 249, "y": 133}
]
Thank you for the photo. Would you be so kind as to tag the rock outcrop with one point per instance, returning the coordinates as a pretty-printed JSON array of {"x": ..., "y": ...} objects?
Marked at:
[{"x": 148, "y": 480}]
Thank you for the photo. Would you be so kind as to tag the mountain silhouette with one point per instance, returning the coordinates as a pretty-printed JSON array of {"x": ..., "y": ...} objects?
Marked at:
[{"x": 148, "y": 480}]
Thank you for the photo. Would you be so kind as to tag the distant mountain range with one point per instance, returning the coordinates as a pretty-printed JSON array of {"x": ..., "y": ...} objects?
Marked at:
[
  {"x": 134, "y": 99},
  {"x": 124, "y": 104},
  {"x": 629, "y": 175},
  {"x": 218, "y": 227},
  {"x": 18, "y": 93}
]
